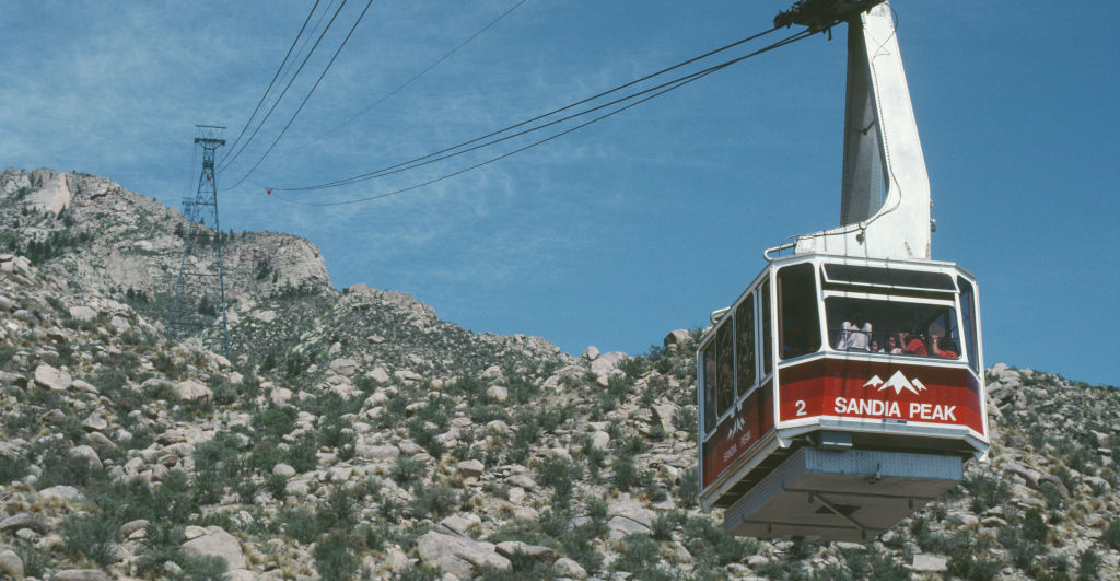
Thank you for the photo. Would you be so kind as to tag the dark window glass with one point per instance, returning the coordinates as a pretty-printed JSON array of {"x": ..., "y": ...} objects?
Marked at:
[
  {"x": 767, "y": 357},
  {"x": 797, "y": 310},
  {"x": 725, "y": 361},
  {"x": 896, "y": 327},
  {"x": 888, "y": 277},
  {"x": 744, "y": 344},
  {"x": 968, "y": 316},
  {"x": 709, "y": 382}
]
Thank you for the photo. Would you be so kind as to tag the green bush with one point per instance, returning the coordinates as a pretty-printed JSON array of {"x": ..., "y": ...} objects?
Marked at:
[
  {"x": 60, "y": 468},
  {"x": 90, "y": 536},
  {"x": 12, "y": 468},
  {"x": 300, "y": 524},
  {"x": 986, "y": 492},
  {"x": 202, "y": 568},
  {"x": 1034, "y": 528},
  {"x": 274, "y": 422},
  {"x": 418, "y": 573},
  {"x": 966, "y": 564},
  {"x": 663, "y": 526},
  {"x": 558, "y": 474},
  {"x": 436, "y": 500},
  {"x": 334, "y": 558},
  {"x": 1089, "y": 562},
  {"x": 625, "y": 474},
  {"x": 35, "y": 560},
  {"x": 407, "y": 471},
  {"x": 302, "y": 453},
  {"x": 1112, "y": 535}
]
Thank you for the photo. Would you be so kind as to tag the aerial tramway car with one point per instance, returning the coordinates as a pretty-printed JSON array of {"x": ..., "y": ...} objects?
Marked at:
[{"x": 844, "y": 388}]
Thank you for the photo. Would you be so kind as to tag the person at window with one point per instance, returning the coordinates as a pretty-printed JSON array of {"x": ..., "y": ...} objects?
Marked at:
[
  {"x": 913, "y": 344},
  {"x": 875, "y": 348},
  {"x": 944, "y": 347},
  {"x": 892, "y": 345},
  {"x": 854, "y": 334}
]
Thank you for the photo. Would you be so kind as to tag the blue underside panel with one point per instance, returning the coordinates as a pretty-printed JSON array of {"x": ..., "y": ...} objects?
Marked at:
[{"x": 841, "y": 495}]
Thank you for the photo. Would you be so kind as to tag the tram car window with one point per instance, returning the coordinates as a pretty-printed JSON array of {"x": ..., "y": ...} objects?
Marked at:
[
  {"x": 744, "y": 345},
  {"x": 767, "y": 357},
  {"x": 968, "y": 316},
  {"x": 882, "y": 319},
  {"x": 709, "y": 368},
  {"x": 797, "y": 299},
  {"x": 725, "y": 361}
]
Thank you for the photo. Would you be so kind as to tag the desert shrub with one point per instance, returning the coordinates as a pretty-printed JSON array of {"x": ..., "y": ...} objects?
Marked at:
[
  {"x": 300, "y": 524},
  {"x": 60, "y": 468},
  {"x": 558, "y": 474},
  {"x": 782, "y": 570},
  {"x": 90, "y": 536},
  {"x": 663, "y": 526},
  {"x": 12, "y": 468},
  {"x": 1088, "y": 563},
  {"x": 435, "y": 500},
  {"x": 1034, "y": 528},
  {"x": 275, "y": 422},
  {"x": 966, "y": 564},
  {"x": 201, "y": 568},
  {"x": 418, "y": 573},
  {"x": 578, "y": 545},
  {"x": 35, "y": 559},
  {"x": 335, "y": 559},
  {"x": 1112, "y": 534},
  {"x": 6, "y": 354},
  {"x": 625, "y": 474},
  {"x": 689, "y": 489},
  {"x": 276, "y": 485},
  {"x": 639, "y": 552},
  {"x": 407, "y": 471},
  {"x": 985, "y": 491},
  {"x": 217, "y": 453},
  {"x": 224, "y": 393},
  {"x": 302, "y": 453}
]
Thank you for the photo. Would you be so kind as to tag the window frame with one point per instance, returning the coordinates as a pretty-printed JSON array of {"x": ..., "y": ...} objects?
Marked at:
[
  {"x": 950, "y": 303},
  {"x": 813, "y": 297}
]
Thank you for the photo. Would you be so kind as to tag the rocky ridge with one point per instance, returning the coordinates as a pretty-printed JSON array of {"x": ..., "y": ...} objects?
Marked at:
[{"x": 363, "y": 438}]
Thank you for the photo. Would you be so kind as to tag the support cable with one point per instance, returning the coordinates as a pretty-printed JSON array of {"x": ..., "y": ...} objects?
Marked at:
[
  {"x": 279, "y": 69},
  {"x": 415, "y": 77},
  {"x": 288, "y": 86},
  {"x": 660, "y": 90},
  {"x": 308, "y": 97},
  {"x": 415, "y": 161}
]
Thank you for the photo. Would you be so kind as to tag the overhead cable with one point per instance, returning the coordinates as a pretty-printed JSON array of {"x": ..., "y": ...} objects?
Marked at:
[
  {"x": 308, "y": 97},
  {"x": 447, "y": 152},
  {"x": 650, "y": 94},
  {"x": 279, "y": 69},
  {"x": 415, "y": 77},
  {"x": 288, "y": 86}
]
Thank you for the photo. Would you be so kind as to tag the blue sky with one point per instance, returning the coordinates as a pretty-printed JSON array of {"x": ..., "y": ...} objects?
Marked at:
[{"x": 641, "y": 223}]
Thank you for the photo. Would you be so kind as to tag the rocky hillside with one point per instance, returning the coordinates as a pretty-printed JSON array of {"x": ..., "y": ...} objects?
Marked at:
[
  {"x": 98, "y": 236},
  {"x": 363, "y": 438}
]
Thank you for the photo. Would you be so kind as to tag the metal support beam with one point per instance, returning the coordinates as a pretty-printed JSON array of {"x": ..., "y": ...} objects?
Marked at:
[{"x": 191, "y": 291}]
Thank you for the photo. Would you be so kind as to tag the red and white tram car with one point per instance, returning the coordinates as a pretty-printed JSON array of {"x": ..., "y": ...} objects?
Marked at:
[
  {"x": 825, "y": 411},
  {"x": 844, "y": 388}
]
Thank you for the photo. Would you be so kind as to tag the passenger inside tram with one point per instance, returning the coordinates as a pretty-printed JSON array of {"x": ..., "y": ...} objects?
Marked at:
[
  {"x": 921, "y": 329},
  {"x": 913, "y": 343},
  {"x": 855, "y": 334},
  {"x": 944, "y": 347}
]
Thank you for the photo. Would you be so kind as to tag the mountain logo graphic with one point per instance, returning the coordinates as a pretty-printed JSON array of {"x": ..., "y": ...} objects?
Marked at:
[{"x": 899, "y": 382}]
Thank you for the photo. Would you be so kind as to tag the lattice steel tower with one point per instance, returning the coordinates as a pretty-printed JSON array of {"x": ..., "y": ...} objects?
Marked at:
[{"x": 199, "y": 306}]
